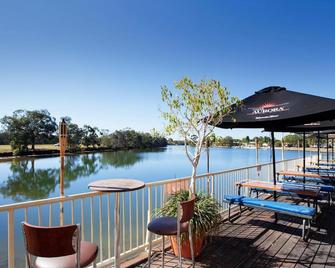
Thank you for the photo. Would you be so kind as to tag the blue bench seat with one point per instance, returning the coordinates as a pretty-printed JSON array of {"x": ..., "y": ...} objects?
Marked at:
[
  {"x": 322, "y": 187},
  {"x": 304, "y": 212},
  {"x": 307, "y": 179}
]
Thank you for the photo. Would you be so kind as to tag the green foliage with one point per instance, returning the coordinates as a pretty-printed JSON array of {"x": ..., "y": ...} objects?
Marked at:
[
  {"x": 75, "y": 134},
  {"x": 292, "y": 140},
  {"x": 26, "y": 127},
  {"x": 130, "y": 139},
  {"x": 278, "y": 143},
  {"x": 263, "y": 140},
  {"x": 206, "y": 212},
  {"x": 246, "y": 140},
  {"x": 194, "y": 105},
  {"x": 4, "y": 138},
  {"x": 90, "y": 136},
  {"x": 193, "y": 110},
  {"x": 228, "y": 141}
]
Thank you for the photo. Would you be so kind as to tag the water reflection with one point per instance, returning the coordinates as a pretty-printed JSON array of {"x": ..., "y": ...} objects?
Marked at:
[
  {"x": 120, "y": 159},
  {"x": 26, "y": 182}
]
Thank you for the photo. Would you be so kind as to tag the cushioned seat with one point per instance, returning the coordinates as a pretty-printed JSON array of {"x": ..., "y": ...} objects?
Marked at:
[
  {"x": 280, "y": 206},
  {"x": 306, "y": 213},
  {"x": 323, "y": 188},
  {"x": 273, "y": 205},
  {"x": 88, "y": 254},
  {"x": 166, "y": 226},
  {"x": 307, "y": 179},
  {"x": 321, "y": 170},
  {"x": 234, "y": 198}
]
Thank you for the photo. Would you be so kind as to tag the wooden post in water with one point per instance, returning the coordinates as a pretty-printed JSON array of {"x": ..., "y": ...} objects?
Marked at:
[{"x": 62, "y": 148}]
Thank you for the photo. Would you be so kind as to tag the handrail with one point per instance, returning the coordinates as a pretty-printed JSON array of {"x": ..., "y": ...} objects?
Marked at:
[
  {"x": 141, "y": 202},
  {"x": 219, "y": 172},
  {"x": 66, "y": 198}
]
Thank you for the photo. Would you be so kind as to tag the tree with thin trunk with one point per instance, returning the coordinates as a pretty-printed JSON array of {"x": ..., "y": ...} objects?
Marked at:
[{"x": 193, "y": 110}]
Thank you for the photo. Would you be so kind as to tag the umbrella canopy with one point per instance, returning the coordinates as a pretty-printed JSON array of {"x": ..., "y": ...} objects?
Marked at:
[
  {"x": 327, "y": 126},
  {"x": 275, "y": 107}
]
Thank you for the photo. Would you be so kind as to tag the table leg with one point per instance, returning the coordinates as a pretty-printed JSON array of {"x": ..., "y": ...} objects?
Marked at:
[{"x": 117, "y": 230}]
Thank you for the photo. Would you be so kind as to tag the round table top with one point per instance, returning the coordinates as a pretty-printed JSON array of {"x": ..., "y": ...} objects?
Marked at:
[{"x": 116, "y": 185}]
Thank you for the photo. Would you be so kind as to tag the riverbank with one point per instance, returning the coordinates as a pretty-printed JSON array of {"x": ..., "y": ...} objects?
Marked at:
[{"x": 46, "y": 150}]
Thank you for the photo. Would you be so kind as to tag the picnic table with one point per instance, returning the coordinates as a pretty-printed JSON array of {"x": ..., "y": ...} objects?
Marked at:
[{"x": 301, "y": 190}]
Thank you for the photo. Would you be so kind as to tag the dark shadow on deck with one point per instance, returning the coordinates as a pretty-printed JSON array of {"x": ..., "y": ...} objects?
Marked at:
[{"x": 255, "y": 240}]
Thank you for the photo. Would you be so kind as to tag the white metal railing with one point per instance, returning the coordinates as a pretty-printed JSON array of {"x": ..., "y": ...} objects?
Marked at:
[{"x": 94, "y": 211}]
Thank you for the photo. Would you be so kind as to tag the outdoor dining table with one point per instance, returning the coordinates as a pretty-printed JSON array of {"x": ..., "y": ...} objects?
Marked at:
[
  {"x": 306, "y": 175},
  {"x": 116, "y": 186},
  {"x": 306, "y": 191}
]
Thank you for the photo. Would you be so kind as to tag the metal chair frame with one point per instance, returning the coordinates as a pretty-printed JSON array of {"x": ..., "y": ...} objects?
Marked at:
[{"x": 180, "y": 259}]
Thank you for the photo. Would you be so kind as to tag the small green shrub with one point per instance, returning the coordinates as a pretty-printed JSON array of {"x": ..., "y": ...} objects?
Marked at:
[{"x": 206, "y": 217}]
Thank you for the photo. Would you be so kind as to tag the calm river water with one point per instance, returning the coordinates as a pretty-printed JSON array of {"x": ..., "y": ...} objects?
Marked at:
[{"x": 31, "y": 179}]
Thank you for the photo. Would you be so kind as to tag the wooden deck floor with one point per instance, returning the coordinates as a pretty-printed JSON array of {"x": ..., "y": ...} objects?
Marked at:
[{"x": 254, "y": 240}]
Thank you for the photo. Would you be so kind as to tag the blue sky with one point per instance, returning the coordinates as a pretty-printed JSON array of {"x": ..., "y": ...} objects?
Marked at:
[{"x": 103, "y": 62}]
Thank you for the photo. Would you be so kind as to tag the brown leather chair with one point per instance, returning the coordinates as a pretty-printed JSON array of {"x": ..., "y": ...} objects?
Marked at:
[
  {"x": 174, "y": 226},
  {"x": 59, "y": 247}
]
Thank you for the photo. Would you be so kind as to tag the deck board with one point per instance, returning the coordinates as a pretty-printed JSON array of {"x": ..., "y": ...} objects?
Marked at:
[{"x": 255, "y": 240}]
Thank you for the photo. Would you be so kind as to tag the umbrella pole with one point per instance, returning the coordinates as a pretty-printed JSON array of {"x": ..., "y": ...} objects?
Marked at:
[
  {"x": 327, "y": 148},
  {"x": 304, "y": 154},
  {"x": 318, "y": 148},
  {"x": 274, "y": 169},
  {"x": 273, "y": 160},
  {"x": 332, "y": 149}
]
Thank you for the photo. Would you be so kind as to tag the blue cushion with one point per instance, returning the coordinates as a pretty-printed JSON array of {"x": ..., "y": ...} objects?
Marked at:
[
  {"x": 298, "y": 186},
  {"x": 234, "y": 198},
  {"x": 326, "y": 188},
  {"x": 274, "y": 205},
  {"x": 307, "y": 179},
  {"x": 321, "y": 170},
  {"x": 279, "y": 206}
]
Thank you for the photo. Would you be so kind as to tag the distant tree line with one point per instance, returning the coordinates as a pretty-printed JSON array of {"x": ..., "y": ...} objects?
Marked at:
[
  {"x": 24, "y": 129},
  {"x": 290, "y": 140},
  {"x": 131, "y": 139}
]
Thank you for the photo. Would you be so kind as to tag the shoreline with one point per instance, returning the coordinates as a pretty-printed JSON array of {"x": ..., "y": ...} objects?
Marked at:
[{"x": 6, "y": 157}]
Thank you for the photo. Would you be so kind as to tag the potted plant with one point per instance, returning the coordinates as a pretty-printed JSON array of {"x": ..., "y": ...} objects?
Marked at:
[{"x": 206, "y": 218}]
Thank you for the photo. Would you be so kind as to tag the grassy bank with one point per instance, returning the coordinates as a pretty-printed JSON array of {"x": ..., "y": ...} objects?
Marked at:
[{"x": 39, "y": 147}]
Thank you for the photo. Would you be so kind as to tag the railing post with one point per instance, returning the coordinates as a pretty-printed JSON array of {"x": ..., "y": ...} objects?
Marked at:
[
  {"x": 212, "y": 186},
  {"x": 149, "y": 212},
  {"x": 208, "y": 180},
  {"x": 11, "y": 238}
]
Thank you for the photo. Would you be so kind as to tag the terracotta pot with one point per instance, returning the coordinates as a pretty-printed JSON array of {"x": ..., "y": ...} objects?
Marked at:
[{"x": 185, "y": 246}]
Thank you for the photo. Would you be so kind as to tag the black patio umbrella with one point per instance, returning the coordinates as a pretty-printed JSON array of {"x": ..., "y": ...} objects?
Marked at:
[{"x": 275, "y": 107}]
